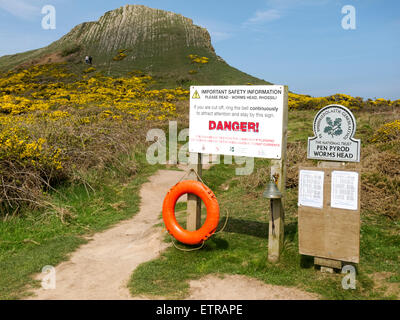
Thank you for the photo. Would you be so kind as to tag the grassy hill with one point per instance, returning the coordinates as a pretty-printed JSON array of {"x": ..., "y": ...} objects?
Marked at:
[{"x": 136, "y": 37}]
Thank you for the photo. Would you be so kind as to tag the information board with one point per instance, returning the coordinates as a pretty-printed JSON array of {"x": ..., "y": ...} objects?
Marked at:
[
  {"x": 237, "y": 120},
  {"x": 331, "y": 231}
]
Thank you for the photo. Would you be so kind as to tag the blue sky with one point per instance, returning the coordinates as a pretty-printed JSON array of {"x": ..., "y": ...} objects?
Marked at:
[{"x": 300, "y": 43}]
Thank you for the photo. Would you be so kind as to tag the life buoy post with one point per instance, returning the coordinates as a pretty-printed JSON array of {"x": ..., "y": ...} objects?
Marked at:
[
  {"x": 207, "y": 196},
  {"x": 193, "y": 220}
]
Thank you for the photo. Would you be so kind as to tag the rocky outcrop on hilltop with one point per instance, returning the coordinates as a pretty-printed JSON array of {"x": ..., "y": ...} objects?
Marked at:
[{"x": 145, "y": 30}]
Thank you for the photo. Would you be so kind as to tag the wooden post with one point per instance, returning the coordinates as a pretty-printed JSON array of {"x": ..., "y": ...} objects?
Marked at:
[
  {"x": 193, "y": 221},
  {"x": 278, "y": 173},
  {"x": 275, "y": 238}
]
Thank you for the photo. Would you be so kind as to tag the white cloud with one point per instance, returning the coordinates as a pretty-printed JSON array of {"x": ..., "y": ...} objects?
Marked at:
[
  {"x": 264, "y": 16},
  {"x": 218, "y": 36},
  {"x": 20, "y": 8},
  {"x": 278, "y": 9}
]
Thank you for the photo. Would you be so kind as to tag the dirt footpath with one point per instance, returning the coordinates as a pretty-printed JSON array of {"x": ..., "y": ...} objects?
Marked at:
[
  {"x": 235, "y": 287},
  {"x": 101, "y": 269}
]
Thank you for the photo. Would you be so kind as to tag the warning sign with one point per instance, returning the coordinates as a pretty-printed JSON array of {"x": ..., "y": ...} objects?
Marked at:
[
  {"x": 196, "y": 95},
  {"x": 237, "y": 120}
]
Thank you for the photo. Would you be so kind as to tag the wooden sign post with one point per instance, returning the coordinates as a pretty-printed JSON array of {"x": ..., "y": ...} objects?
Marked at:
[
  {"x": 278, "y": 174},
  {"x": 193, "y": 222}
]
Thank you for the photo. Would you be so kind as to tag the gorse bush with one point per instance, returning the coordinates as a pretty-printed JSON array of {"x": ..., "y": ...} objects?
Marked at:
[
  {"x": 120, "y": 56},
  {"x": 388, "y": 132},
  {"x": 89, "y": 70},
  {"x": 303, "y": 102},
  {"x": 195, "y": 59},
  {"x": 54, "y": 123},
  {"x": 198, "y": 62}
]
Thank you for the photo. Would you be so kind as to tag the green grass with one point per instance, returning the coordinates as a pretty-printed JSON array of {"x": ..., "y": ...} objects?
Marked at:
[
  {"x": 242, "y": 248},
  {"x": 169, "y": 70},
  {"x": 30, "y": 242},
  {"x": 300, "y": 125}
]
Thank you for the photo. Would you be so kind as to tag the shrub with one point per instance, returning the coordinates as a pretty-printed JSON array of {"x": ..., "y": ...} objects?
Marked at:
[
  {"x": 120, "y": 56},
  {"x": 54, "y": 124},
  {"x": 388, "y": 132},
  {"x": 195, "y": 59},
  {"x": 90, "y": 70},
  {"x": 305, "y": 102}
]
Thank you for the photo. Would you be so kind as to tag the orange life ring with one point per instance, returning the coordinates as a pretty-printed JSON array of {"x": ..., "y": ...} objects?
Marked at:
[{"x": 211, "y": 203}]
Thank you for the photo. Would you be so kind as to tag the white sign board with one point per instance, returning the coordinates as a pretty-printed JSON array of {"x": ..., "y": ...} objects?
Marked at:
[
  {"x": 334, "y": 129},
  {"x": 237, "y": 120},
  {"x": 344, "y": 190},
  {"x": 311, "y": 188}
]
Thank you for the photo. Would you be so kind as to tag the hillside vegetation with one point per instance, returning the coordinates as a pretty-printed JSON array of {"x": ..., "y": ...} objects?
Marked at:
[{"x": 54, "y": 122}]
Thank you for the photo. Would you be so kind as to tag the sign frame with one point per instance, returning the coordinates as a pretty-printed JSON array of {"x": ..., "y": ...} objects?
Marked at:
[
  {"x": 221, "y": 132},
  {"x": 342, "y": 148}
]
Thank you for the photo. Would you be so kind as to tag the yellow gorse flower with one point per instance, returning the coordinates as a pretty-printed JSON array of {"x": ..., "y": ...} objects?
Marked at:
[
  {"x": 198, "y": 59},
  {"x": 52, "y": 93},
  {"x": 388, "y": 132}
]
